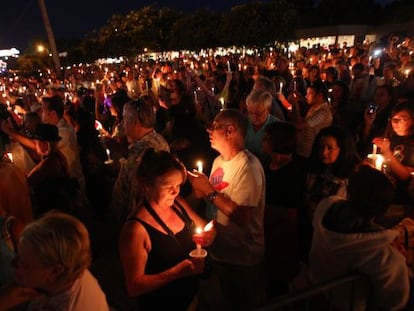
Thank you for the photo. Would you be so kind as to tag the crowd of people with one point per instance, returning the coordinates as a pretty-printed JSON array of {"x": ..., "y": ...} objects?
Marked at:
[{"x": 271, "y": 162}]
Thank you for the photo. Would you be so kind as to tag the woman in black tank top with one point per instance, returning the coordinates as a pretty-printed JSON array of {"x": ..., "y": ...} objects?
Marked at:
[{"x": 158, "y": 236}]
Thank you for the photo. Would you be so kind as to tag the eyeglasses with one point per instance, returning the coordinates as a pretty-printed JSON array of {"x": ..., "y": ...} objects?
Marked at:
[
  {"x": 399, "y": 120},
  {"x": 217, "y": 126}
]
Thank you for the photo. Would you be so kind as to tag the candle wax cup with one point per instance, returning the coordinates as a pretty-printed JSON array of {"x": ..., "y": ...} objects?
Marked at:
[
  {"x": 198, "y": 253},
  {"x": 376, "y": 160}
]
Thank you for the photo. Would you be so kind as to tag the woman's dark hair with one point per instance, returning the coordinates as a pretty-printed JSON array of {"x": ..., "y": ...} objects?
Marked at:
[
  {"x": 347, "y": 159},
  {"x": 345, "y": 90},
  {"x": 390, "y": 90},
  {"x": 282, "y": 137},
  {"x": 370, "y": 192},
  {"x": 155, "y": 164}
]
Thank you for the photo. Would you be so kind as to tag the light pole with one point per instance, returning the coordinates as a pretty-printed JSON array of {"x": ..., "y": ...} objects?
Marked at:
[{"x": 50, "y": 36}]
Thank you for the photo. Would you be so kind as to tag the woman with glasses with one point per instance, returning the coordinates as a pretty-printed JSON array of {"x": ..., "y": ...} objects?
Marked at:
[{"x": 397, "y": 147}]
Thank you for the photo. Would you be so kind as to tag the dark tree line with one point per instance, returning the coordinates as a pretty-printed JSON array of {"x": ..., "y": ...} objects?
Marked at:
[{"x": 256, "y": 23}]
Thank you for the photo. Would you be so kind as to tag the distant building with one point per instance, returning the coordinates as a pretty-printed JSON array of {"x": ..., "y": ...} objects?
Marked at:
[{"x": 351, "y": 34}]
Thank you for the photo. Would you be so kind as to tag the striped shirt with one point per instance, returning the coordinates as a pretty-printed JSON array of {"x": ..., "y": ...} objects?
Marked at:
[{"x": 317, "y": 118}]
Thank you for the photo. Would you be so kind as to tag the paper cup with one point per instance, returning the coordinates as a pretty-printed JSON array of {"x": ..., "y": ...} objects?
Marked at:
[
  {"x": 198, "y": 253},
  {"x": 376, "y": 160}
]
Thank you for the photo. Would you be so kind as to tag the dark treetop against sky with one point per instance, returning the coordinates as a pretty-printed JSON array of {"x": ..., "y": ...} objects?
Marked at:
[{"x": 21, "y": 22}]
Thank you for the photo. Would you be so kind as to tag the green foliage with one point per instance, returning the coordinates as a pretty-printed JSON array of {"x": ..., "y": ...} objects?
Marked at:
[
  {"x": 159, "y": 29},
  {"x": 194, "y": 31}
]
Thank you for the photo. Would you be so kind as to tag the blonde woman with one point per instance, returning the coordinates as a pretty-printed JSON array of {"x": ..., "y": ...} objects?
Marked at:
[{"x": 53, "y": 259}]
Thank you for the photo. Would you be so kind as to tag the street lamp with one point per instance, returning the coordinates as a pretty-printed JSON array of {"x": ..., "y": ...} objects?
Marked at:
[{"x": 41, "y": 48}]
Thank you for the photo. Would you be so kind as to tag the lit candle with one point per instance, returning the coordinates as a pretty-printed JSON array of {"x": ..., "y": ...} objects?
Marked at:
[
  {"x": 198, "y": 230},
  {"x": 221, "y": 99},
  {"x": 10, "y": 156},
  {"x": 108, "y": 153},
  {"x": 209, "y": 226},
  {"x": 407, "y": 72},
  {"x": 280, "y": 87},
  {"x": 108, "y": 160},
  {"x": 374, "y": 149},
  {"x": 195, "y": 96},
  {"x": 200, "y": 166},
  {"x": 228, "y": 66}
]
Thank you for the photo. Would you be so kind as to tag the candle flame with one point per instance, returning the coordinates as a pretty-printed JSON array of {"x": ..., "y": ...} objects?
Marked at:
[
  {"x": 209, "y": 226},
  {"x": 198, "y": 230}
]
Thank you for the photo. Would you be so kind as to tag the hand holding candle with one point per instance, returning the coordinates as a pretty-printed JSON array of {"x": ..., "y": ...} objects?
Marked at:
[{"x": 204, "y": 236}]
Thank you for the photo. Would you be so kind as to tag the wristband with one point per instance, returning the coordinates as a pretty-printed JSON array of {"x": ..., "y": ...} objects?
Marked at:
[{"x": 212, "y": 196}]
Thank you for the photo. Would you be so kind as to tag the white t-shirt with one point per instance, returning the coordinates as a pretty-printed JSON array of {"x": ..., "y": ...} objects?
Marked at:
[
  {"x": 334, "y": 254},
  {"x": 241, "y": 179},
  {"x": 85, "y": 294}
]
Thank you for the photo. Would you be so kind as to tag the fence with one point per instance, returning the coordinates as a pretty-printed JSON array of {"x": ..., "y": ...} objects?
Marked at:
[{"x": 312, "y": 297}]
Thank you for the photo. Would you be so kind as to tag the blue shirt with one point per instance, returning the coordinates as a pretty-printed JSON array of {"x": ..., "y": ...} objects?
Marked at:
[{"x": 253, "y": 139}]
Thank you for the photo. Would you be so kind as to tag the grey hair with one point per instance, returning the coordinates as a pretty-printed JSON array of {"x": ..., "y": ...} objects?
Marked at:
[
  {"x": 141, "y": 112},
  {"x": 257, "y": 97}
]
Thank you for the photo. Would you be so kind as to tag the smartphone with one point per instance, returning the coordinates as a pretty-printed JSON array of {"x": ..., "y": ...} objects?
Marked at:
[{"x": 372, "y": 108}]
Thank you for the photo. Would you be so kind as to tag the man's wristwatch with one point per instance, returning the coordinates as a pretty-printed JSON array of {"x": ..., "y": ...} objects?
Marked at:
[{"x": 212, "y": 196}]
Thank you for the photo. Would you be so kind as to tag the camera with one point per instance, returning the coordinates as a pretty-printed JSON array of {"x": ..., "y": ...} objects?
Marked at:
[{"x": 372, "y": 108}]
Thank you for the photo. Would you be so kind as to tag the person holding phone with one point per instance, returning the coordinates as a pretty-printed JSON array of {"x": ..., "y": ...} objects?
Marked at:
[{"x": 375, "y": 119}]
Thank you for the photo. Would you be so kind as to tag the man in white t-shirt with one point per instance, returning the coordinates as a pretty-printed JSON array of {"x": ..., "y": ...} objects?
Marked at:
[{"x": 236, "y": 193}]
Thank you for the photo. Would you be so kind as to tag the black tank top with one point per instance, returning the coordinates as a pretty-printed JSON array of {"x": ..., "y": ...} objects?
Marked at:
[{"x": 166, "y": 252}]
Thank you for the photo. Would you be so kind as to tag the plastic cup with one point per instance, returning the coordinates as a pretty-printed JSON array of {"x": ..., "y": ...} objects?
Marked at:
[{"x": 198, "y": 253}]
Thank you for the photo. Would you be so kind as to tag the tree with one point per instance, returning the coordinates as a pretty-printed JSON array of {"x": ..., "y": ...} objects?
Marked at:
[
  {"x": 196, "y": 31},
  {"x": 262, "y": 23},
  {"x": 128, "y": 35}
]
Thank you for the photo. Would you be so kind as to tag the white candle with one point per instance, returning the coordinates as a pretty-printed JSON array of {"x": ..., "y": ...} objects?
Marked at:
[
  {"x": 374, "y": 149},
  {"x": 200, "y": 166},
  {"x": 108, "y": 153},
  {"x": 221, "y": 99},
  {"x": 10, "y": 156},
  {"x": 280, "y": 87},
  {"x": 228, "y": 66},
  {"x": 195, "y": 96},
  {"x": 198, "y": 230},
  {"x": 209, "y": 226}
]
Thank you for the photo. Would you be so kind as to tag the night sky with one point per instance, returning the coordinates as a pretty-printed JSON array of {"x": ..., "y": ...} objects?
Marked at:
[{"x": 21, "y": 23}]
